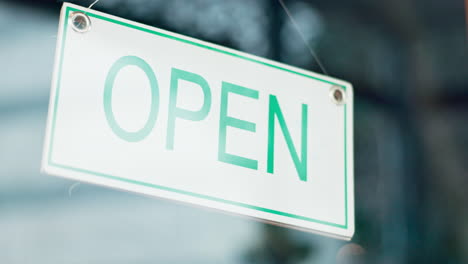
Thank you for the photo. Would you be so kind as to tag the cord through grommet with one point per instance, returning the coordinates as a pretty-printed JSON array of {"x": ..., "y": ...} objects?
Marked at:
[
  {"x": 80, "y": 22},
  {"x": 338, "y": 95}
]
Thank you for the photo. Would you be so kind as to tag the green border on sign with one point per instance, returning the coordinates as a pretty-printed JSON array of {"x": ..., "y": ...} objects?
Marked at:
[{"x": 202, "y": 196}]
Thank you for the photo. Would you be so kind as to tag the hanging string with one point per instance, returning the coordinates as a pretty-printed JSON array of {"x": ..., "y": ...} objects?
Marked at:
[
  {"x": 72, "y": 187},
  {"x": 91, "y": 5},
  {"x": 296, "y": 26}
]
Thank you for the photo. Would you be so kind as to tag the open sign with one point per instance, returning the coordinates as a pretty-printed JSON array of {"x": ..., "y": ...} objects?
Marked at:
[{"x": 149, "y": 111}]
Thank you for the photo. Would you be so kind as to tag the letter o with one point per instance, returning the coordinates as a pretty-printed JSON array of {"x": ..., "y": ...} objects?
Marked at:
[{"x": 108, "y": 87}]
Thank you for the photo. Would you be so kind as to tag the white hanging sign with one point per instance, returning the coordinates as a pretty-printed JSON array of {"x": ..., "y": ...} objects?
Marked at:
[{"x": 146, "y": 110}]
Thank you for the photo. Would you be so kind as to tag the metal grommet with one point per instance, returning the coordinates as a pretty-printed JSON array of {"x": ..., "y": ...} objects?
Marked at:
[
  {"x": 80, "y": 22},
  {"x": 338, "y": 95}
]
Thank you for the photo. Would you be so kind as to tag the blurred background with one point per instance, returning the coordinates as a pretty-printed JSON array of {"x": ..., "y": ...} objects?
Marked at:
[{"x": 408, "y": 62}]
